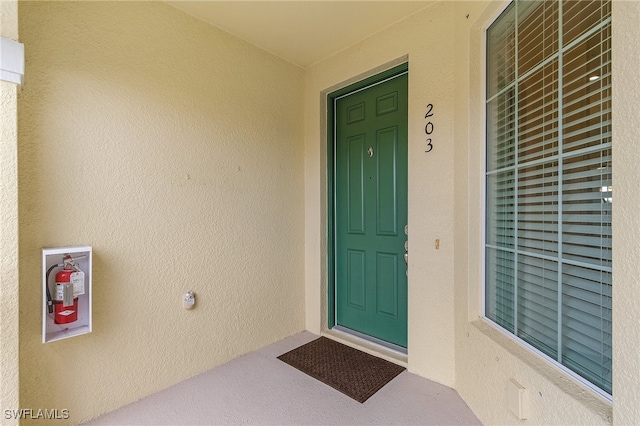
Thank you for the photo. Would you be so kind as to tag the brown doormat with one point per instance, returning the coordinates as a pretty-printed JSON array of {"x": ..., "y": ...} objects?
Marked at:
[{"x": 350, "y": 371}]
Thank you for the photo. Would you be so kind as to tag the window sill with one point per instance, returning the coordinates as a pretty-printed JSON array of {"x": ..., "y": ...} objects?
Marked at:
[{"x": 567, "y": 384}]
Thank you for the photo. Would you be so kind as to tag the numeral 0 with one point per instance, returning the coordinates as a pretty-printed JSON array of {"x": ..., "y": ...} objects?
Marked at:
[{"x": 428, "y": 129}]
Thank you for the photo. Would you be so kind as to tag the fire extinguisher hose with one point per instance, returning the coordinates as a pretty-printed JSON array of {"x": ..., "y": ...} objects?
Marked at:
[{"x": 49, "y": 299}]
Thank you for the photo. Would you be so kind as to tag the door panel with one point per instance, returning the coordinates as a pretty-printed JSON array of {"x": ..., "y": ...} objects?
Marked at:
[
  {"x": 355, "y": 184},
  {"x": 371, "y": 210},
  {"x": 387, "y": 284},
  {"x": 356, "y": 264},
  {"x": 387, "y": 182}
]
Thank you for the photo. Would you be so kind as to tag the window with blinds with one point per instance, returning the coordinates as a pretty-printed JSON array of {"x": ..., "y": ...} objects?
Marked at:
[{"x": 548, "y": 181}]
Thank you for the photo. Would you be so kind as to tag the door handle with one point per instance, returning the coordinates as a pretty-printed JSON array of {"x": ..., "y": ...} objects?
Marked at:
[{"x": 406, "y": 245}]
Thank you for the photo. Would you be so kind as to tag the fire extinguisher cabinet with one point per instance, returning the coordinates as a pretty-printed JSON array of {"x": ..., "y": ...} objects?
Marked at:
[{"x": 66, "y": 292}]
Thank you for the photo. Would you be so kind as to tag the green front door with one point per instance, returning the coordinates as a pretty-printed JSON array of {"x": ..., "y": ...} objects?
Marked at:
[{"x": 371, "y": 210}]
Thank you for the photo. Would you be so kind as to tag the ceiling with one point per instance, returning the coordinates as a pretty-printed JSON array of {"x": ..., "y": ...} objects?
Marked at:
[{"x": 302, "y": 32}]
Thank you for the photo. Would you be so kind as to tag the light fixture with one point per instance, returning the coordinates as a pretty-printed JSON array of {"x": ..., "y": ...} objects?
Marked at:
[{"x": 594, "y": 77}]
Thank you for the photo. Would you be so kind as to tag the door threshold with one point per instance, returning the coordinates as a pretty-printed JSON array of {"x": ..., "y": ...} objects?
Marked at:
[{"x": 371, "y": 345}]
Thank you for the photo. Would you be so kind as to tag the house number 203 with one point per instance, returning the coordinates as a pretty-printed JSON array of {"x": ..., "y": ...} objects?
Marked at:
[{"x": 428, "y": 128}]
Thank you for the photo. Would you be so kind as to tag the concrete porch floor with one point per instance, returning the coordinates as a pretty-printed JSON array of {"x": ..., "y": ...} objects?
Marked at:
[{"x": 257, "y": 388}]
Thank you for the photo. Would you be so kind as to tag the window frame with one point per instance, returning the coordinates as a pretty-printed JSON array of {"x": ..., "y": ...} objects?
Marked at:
[{"x": 484, "y": 215}]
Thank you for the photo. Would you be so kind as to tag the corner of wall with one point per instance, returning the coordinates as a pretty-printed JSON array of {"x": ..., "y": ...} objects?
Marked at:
[
  {"x": 626, "y": 221},
  {"x": 9, "y": 310}
]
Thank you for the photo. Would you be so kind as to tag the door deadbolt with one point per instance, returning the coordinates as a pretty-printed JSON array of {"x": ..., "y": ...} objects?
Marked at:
[{"x": 370, "y": 151}]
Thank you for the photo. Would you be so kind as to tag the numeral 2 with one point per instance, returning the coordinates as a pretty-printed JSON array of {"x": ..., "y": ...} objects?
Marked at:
[{"x": 429, "y": 111}]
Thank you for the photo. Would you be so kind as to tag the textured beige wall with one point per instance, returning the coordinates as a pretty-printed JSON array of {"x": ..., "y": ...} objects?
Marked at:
[
  {"x": 626, "y": 218},
  {"x": 447, "y": 341},
  {"x": 185, "y": 162},
  {"x": 9, "y": 384},
  {"x": 176, "y": 151}
]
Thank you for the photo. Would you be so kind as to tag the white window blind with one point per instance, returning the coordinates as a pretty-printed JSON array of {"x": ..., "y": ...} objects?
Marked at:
[{"x": 548, "y": 181}]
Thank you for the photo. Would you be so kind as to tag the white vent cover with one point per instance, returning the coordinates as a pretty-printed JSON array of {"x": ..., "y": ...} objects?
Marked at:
[{"x": 517, "y": 399}]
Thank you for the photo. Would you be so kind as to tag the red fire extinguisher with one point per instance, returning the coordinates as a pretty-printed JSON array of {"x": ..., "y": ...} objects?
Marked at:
[{"x": 69, "y": 285}]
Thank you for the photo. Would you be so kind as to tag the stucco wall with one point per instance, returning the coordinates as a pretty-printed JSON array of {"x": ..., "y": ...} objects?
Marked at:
[
  {"x": 176, "y": 151},
  {"x": 447, "y": 340},
  {"x": 9, "y": 385},
  {"x": 626, "y": 220}
]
